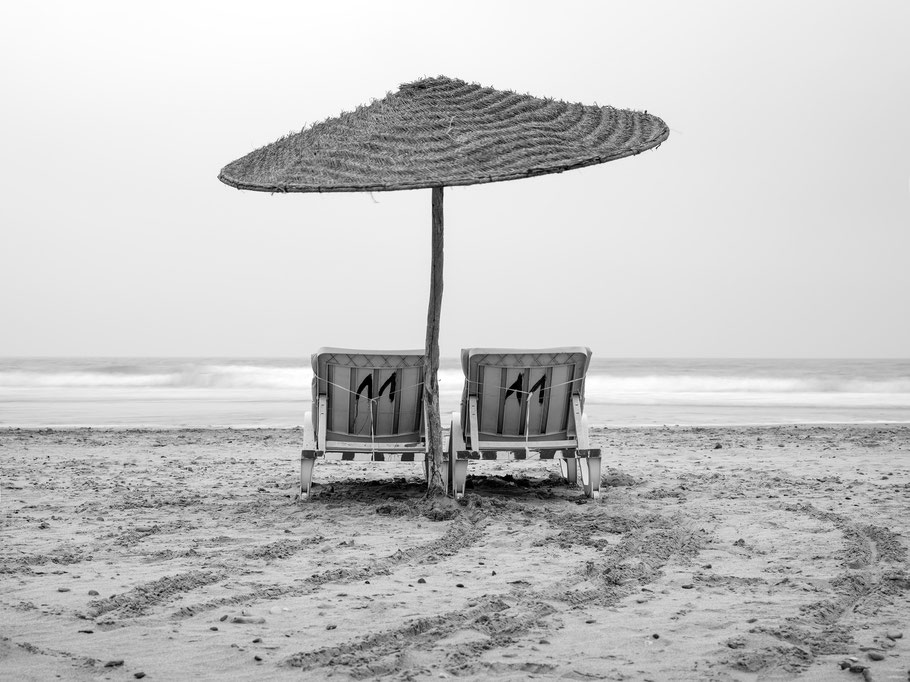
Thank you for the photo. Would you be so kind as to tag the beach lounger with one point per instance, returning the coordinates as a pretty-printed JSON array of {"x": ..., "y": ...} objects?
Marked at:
[
  {"x": 524, "y": 404},
  {"x": 367, "y": 406}
]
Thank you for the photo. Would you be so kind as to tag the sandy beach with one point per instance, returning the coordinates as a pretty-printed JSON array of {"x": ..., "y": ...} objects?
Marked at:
[{"x": 739, "y": 553}]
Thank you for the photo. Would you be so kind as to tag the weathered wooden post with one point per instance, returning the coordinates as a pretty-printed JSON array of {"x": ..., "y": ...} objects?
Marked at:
[{"x": 435, "y": 481}]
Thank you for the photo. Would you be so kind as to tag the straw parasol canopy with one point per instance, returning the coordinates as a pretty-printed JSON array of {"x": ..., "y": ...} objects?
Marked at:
[
  {"x": 436, "y": 132},
  {"x": 441, "y": 131}
]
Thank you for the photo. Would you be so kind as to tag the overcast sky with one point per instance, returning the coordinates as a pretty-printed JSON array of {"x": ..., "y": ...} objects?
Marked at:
[{"x": 774, "y": 222}]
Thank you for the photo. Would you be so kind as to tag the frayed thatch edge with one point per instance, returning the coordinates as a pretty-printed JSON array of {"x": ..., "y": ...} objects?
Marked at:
[{"x": 430, "y": 182}]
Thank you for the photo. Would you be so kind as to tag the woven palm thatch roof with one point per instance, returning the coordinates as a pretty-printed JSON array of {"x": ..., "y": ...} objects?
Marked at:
[{"x": 441, "y": 131}]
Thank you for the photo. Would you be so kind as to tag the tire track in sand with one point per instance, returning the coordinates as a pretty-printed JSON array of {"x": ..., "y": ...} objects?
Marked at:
[
  {"x": 138, "y": 600},
  {"x": 875, "y": 572},
  {"x": 464, "y": 531},
  {"x": 36, "y": 650},
  {"x": 497, "y": 620},
  {"x": 646, "y": 544},
  {"x": 459, "y": 637}
]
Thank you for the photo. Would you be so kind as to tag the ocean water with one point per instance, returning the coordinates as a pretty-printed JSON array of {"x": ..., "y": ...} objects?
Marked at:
[{"x": 257, "y": 392}]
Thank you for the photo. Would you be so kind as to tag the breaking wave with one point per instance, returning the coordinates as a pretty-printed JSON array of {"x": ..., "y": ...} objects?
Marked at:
[
  {"x": 599, "y": 383},
  {"x": 213, "y": 391},
  {"x": 185, "y": 376}
]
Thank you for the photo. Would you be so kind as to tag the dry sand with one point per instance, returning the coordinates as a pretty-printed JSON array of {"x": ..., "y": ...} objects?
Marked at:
[{"x": 715, "y": 554}]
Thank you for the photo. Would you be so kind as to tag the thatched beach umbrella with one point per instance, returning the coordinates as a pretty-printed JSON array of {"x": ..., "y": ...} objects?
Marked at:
[{"x": 436, "y": 132}]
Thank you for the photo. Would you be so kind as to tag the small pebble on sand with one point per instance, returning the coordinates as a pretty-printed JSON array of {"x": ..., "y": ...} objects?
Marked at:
[
  {"x": 330, "y": 627},
  {"x": 895, "y": 635},
  {"x": 214, "y": 627},
  {"x": 93, "y": 593},
  {"x": 688, "y": 586},
  {"x": 248, "y": 620},
  {"x": 876, "y": 655},
  {"x": 257, "y": 640},
  {"x": 421, "y": 581},
  {"x": 223, "y": 618},
  {"x": 139, "y": 675},
  {"x": 63, "y": 589},
  {"x": 87, "y": 632},
  {"x": 459, "y": 585},
  {"x": 114, "y": 664},
  {"x": 655, "y": 636},
  {"x": 257, "y": 658}
]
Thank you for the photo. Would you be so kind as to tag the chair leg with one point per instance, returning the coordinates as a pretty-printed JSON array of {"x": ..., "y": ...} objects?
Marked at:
[
  {"x": 569, "y": 470},
  {"x": 307, "y": 463},
  {"x": 455, "y": 445},
  {"x": 458, "y": 474},
  {"x": 307, "y": 457},
  {"x": 592, "y": 484},
  {"x": 584, "y": 473}
]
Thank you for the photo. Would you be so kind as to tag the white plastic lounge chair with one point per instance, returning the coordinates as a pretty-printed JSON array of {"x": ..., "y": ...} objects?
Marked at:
[
  {"x": 521, "y": 404},
  {"x": 367, "y": 406}
]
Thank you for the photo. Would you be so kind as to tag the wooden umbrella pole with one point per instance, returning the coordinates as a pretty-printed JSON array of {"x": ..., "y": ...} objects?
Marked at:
[{"x": 435, "y": 483}]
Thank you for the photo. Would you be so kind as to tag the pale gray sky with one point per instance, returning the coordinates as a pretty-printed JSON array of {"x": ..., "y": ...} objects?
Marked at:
[{"x": 775, "y": 221}]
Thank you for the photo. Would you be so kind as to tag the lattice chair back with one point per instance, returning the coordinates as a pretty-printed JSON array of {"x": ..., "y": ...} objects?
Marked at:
[
  {"x": 372, "y": 396},
  {"x": 524, "y": 395}
]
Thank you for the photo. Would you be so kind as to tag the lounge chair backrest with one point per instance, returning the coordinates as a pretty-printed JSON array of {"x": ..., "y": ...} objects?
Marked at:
[
  {"x": 524, "y": 394},
  {"x": 371, "y": 395}
]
